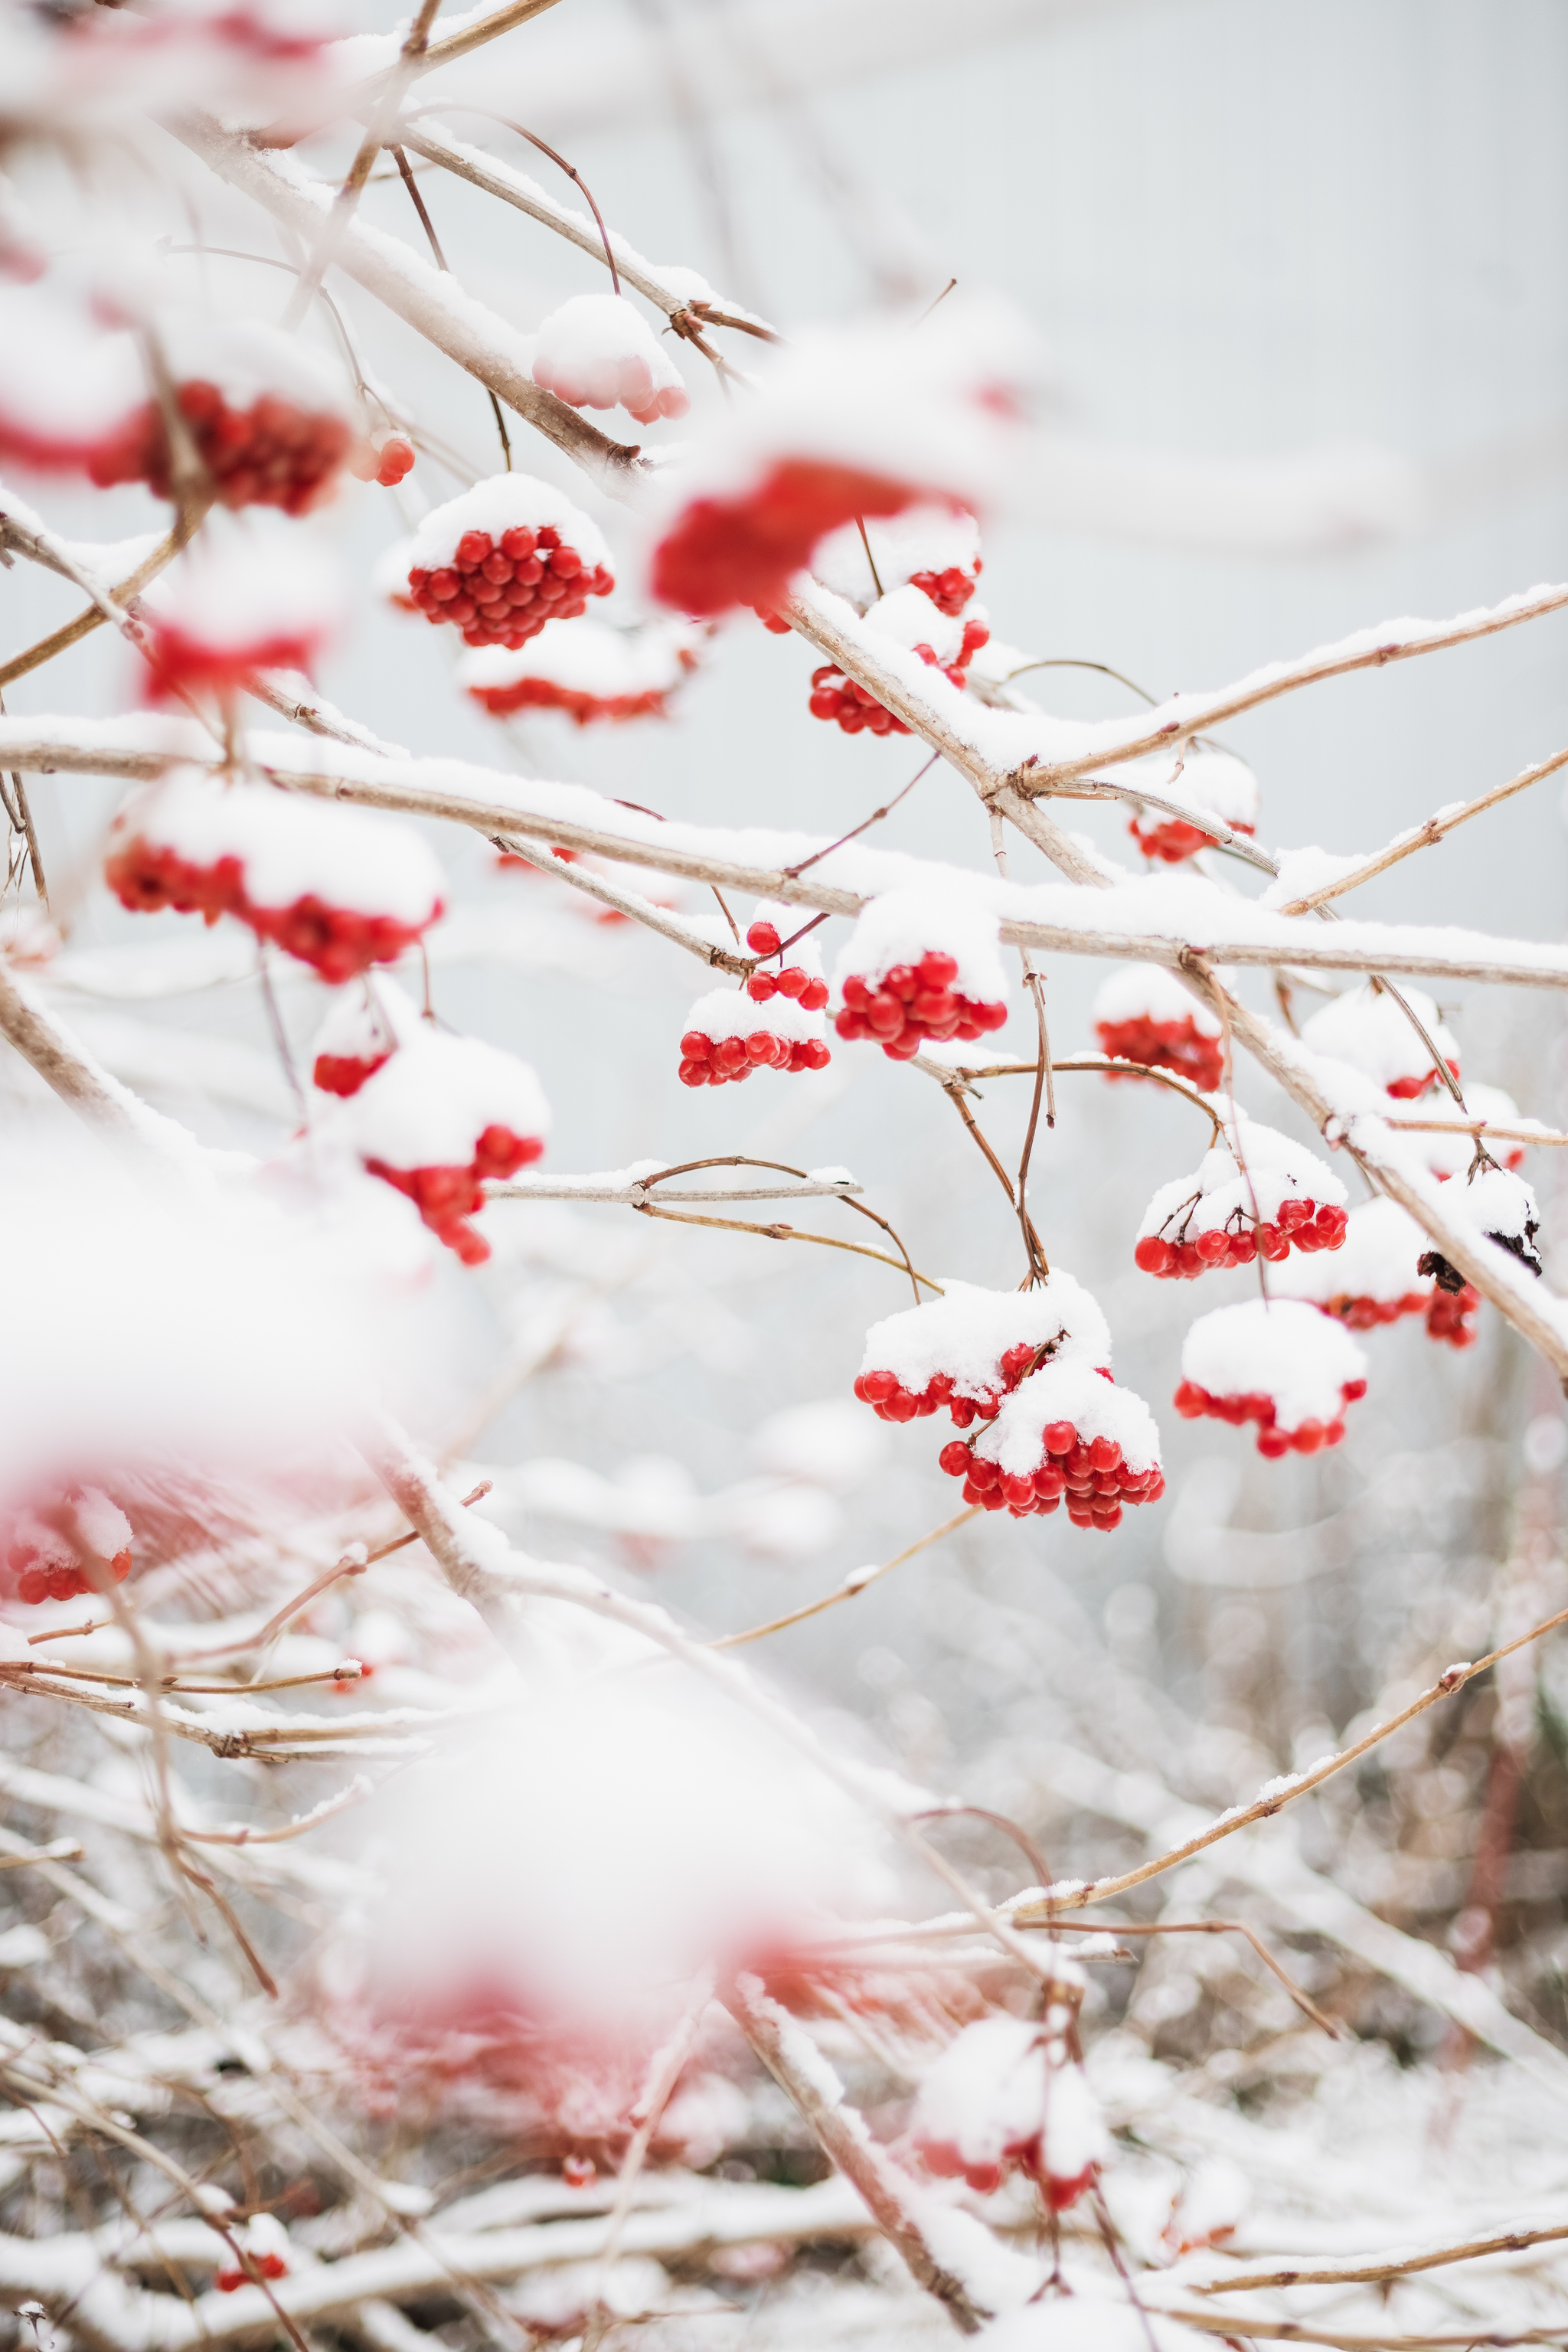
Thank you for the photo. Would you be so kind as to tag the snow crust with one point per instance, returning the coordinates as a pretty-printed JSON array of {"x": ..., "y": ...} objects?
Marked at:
[
  {"x": 924, "y": 538},
  {"x": 1275, "y": 1168},
  {"x": 966, "y": 1332},
  {"x": 504, "y": 502},
  {"x": 1367, "y": 1028},
  {"x": 597, "y": 351},
  {"x": 587, "y": 657},
  {"x": 1376, "y": 1260},
  {"x": 1497, "y": 1203},
  {"x": 1279, "y": 1348},
  {"x": 1068, "y": 1391},
  {"x": 240, "y": 593},
  {"x": 899, "y": 927},
  {"x": 1214, "y": 781},
  {"x": 1150, "y": 990},
  {"x": 290, "y": 848},
  {"x": 247, "y": 358},
  {"x": 428, "y": 1106},
  {"x": 986, "y": 2093},
  {"x": 730, "y": 1013},
  {"x": 64, "y": 384},
  {"x": 908, "y": 616}
]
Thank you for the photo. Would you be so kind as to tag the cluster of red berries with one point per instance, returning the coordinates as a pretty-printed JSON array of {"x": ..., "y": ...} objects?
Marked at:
[
  {"x": 706, "y": 1062},
  {"x": 949, "y": 591},
  {"x": 446, "y": 1197},
  {"x": 49, "y": 1571},
  {"x": 948, "y": 2162},
  {"x": 338, "y": 941},
  {"x": 272, "y": 454},
  {"x": 744, "y": 551},
  {"x": 1173, "y": 838},
  {"x": 1309, "y": 1437},
  {"x": 1410, "y": 1088},
  {"x": 1298, "y": 1223},
  {"x": 502, "y": 593},
  {"x": 1087, "y": 1473},
  {"x": 808, "y": 990},
  {"x": 890, "y": 1400},
  {"x": 1178, "y": 1046},
  {"x": 912, "y": 1002},
  {"x": 344, "y": 1074},
  {"x": 1451, "y": 1315},
  {"x": 271, "y": 2266},
  {"x": 856, "y": 709},
  {"x": 543, "y": 694}
]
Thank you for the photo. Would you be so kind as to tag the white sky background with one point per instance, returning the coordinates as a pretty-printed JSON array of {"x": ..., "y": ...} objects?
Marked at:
[{"x": 1244, "y": 229}]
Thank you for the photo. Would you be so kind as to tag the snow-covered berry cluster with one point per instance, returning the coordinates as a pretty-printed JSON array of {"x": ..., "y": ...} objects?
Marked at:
[
  {"x": 917, "y": 966},
  {"x": 1216, "y": 782},
  {"x": 440, "y": 1117},
  {"x": 264, "y": 2242},
  {"x": 1142, "y": 1013},
  {"x": 1367, "y": 1028},
  {"x": 1006, "y": 2096},
  {"x": 728, "y": 1035},
  {"x": 1255, "y": 1194},
  {"x": 597, "y": 351},
  {"x": 964, "y": 1351},
  {"x": 501, "y": 560},
  {"x": 359, "y": 1034},
  {"x": 322, "y": 883},
  {"x": 1276, "y": 1363},
  {"x": 50, "y": 1545},
  {"x": 1376, "y": 1278},
  {"x": 908, "y": 617},
  {"x": 234, "y": 605},
  {"x": 1066, "y": 1434},
  {"x": 586, "y": 670},
  {"x": 745, "y": 547},
  {"x": 267, "y": 418},
  {"x": 935, "y": 549}
]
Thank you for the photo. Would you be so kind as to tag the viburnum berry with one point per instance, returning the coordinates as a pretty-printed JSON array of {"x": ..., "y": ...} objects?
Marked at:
[
  {"x": 745, "y": 547},
  {"x": 501, "y": 560},
  {"x": 1006, "y": 2096},
  {"x": 269, "y": 421},
  {"x": 1256, "y": 1193},
  {"x": 1142, "y": 1013},
  {"x": 440, "y": 1118},
  {"x": 1276, "y": 1363},
  {"x": 1367, "y": 1028},
  {"x": 964, "y": 1351},
  {"x": 917, "y": 967},
  {"x": 332, "y": 885},
  {"x": 1216, "y": 782},
  {"x": 51, "y": 1547},
  {"x": 801, "y": 982},
  {"x": 1066, "y": 1434},
  {"x": 586, "y": 670},
  {"x": 728, "y": 1035}
]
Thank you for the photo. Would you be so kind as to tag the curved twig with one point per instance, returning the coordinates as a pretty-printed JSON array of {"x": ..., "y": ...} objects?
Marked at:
[{"x": 858, "y": 1581}]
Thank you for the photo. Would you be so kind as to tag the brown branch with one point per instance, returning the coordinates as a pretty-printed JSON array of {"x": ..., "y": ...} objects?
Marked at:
[
  {"x": 859, "y": 1580},
  {"x": 1507, "y": 2242},
  {"x": 778, "y": 1233},
  {"x": 1435, "y": 829}
]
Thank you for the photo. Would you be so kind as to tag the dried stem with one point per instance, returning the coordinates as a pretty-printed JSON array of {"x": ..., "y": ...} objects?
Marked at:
[{"x": 858, "y": 1581}]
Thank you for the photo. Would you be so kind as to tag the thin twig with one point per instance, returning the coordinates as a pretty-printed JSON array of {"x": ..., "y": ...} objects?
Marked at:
[
  {"x": 860, "y": 1579},
  {"x": 1435, "y": 829},
  {"x": 794, "y": 872}
]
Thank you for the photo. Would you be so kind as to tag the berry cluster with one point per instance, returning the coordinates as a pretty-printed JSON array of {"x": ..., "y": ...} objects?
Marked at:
[
  {"x": 387, "y": 463},
  {"x": 809, "y": 989},
  {"x": 891, "y": 1401},
  {"x": 722, "y": 552},
  {"x": 1089, "y": 1475},
  {"x": 344, "y": 1074},
  {"x": 1302, "y": 1223},
  {"x": 446, "y": 1197},
  {"x": 1005, "y": 2096},
  {"x": 338, "y": 941},
  {"x": 950, "y": 591},
  {"x": 47, "y": 1556},
  {"x": 272, "y": 454},
  {"x": 1173, "y": 838},
  {"x": 546, "y": 694},
  {"x": 1451, "y": 1315},
  {"x": 912, "y": 1002},
  {"x": 856, "y": 708},
  {"x": 1307, "y": 1437},
  {"x": 229, "y": 2279},
  {"x": 716, "y": 1062},
  {"x": 1180, "y": 1045},
  {"x": 501, "y": 591}
]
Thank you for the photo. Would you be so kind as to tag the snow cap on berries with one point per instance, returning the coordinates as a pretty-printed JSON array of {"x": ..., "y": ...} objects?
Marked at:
[
  {"x": 585, "y": 668},
  {"x": 1254, "y": 1189},
  {"x": 1502, "y": 1208},
  {"x": 1215, "y": 781},
  {"x": 900, "y": 926},
  {"x": 428, "y": 1106},
  {"x": 597, "y": 351},
  {"x": 1142, "y": 1013},
  {"x": 910, "y": 618},
  {"x": 1376, "y": 1267},
  {"x": 1277, "y": 1348},
  {"x": 501, "y": 503},
  {"x": 965, "y": 1333},
  {"x": 979, "y": 2107},
  {"x": 1068, "y": 1391},
  {"x": 66, "y": 387},
  {"x": 239, "y": 601},
  {"x": 360, "y": 1032},
  {"x": 1367, "y": 1029},
  {"x": 1148, "y": 992},
  {"x": 933, "y": 542}
]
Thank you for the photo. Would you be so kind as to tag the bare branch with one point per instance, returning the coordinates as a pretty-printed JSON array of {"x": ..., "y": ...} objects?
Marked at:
[{"x": 1437, "y": 828}]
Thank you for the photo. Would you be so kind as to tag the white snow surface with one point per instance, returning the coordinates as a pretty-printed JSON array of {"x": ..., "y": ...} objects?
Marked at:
[
  {"x": 986, "y": 2091},
  {"x": 101, "y": 1525},
  {"x": 290, "y": 848},
  {"x": 1150, "y": 990},
  {"x": 597, "y": 351},
  {"x": 1495, "y": 1202},
  {"x": 587, "y": 656},
  {"x": 63, "y": 379},
  {"x": 1376, "y": 1260},
  {"x": 363, "y": 1021},
  {"x": 240, "y": 588},
  {"x": 1367, "y": 1029},
  {"x": 909, "y": 617},
  {"x": 965, "y": 1333},
  {"x": 428, "y": 1106},
  {"x": 247, "y": 358},
  {"x": 1090, "y": 2319},
  {"x": 1068, "y": 1391},
  {"x": 900, "y": 925},
  {"x": 1450, "y": 1155},
  {"x": 1278, "y": 1348},
  {"x": 1215, "y": 781},
  {"x": 921, "y": 538},
  {"x": 504, "y": 502},
  {"x": 730, "y": 1013},
  {"x": 1276, "y": 1168}
]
